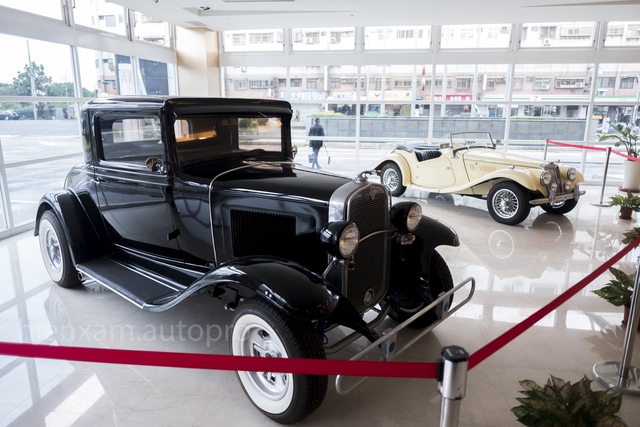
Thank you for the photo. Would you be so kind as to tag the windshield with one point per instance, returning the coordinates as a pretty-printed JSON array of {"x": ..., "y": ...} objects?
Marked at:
[
  {"x": 472, "y": 138},
  {"x": 203, "y": 138}
]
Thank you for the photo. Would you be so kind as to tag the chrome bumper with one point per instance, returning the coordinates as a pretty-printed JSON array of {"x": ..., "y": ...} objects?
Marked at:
[
  {"x": 386, "y": 345},
  {"x": 558, "y": 198}
]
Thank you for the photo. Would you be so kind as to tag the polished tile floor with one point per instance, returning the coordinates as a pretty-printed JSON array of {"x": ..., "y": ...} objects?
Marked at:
[{"x": 517, "y": 270}]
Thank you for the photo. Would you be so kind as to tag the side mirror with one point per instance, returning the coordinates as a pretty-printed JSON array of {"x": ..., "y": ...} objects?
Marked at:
[
  {"x": 294, "y": 150},
  {"x": 154, "y": 164}
]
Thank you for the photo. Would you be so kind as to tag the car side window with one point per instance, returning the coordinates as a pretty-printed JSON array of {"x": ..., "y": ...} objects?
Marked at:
[{"x": 130, "y": 139}]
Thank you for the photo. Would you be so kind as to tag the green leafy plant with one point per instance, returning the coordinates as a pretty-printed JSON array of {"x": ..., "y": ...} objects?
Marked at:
[
  {"x": 630, "y": 235},
  {"x": 630, "y": 201},
  {"x": 619, "y": 290},
  {"x": 560, "y": 403},
  {"x": 624, "y": 136}
]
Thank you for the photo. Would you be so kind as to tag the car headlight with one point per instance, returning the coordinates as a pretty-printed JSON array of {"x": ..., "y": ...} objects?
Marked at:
[
  {"x": 572, "y": 173},
  {"x": 406, "y": 216},
  {"x": 545, "y": 178},
  {"x": 340, "y": 238}
]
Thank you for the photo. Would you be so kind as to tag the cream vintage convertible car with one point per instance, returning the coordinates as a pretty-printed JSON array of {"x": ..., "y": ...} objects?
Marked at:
[{"x": 470, "y": 165}]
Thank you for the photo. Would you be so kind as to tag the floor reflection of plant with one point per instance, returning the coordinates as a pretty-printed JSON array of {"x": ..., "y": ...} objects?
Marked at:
[
  {"x": 608, "y": 238},
  {"x": 609, "y": 343}
]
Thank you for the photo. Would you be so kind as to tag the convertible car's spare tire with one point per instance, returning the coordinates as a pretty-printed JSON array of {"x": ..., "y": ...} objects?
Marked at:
[
  {"x": 261, "y": 330},
  {"x": 55, "y": 251},
  {"x": 508, "y": 203},
  {"x": 391, "y": 178}
]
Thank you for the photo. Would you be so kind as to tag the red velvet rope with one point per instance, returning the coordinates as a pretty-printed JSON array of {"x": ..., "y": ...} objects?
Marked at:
[
  {"x": 223, "y": 362},
  {"x": 589, "y": 147},
  {"x": 293, "y": 365}
]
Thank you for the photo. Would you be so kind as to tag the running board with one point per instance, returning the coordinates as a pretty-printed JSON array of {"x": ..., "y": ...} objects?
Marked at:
[{"x": 140, "y": 287}]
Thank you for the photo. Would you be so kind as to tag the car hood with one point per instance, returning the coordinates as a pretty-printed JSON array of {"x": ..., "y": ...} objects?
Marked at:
[
  {"x": 280, "y": 179},
  {"x": 493, "y": 156}
]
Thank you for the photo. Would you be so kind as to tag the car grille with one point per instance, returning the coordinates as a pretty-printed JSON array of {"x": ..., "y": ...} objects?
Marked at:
[
  {"x": 367, "y": 283},
  {"x": 554, "y": 170}
]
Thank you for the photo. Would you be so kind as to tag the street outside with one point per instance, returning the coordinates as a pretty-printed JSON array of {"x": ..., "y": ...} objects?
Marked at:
[{"x": 28, "y": 145}]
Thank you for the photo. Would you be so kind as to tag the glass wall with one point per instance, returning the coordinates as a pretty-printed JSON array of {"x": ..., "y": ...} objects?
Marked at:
[
  {"x": 469, "y": 80},
  {"x": 42, "y": 88}
]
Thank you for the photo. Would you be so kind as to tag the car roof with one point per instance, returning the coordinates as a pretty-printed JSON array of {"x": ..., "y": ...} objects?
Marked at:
[{"x": 193, "y": 104}]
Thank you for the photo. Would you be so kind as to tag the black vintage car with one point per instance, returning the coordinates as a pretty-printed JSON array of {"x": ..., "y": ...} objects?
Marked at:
[{"x": 178, "y": 196}]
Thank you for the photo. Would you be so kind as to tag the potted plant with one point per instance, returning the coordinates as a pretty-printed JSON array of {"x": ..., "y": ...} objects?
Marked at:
[
  {"x": 628, "y": 204},
  {"x": 627, "y": 137},
  {"x": 618, "y": 291},
  {"x": 560, "y": 403}
]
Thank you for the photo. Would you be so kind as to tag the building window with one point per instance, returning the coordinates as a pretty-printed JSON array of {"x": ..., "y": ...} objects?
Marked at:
[
  {"x": 296, "y": 82},
  {"x": 576, "y": 32},
  {"x": 261, "y": 84},
  {"x": 336, "y": 83},
  {"x": 312, "y": 38},
  {"x": 239, "y": 39},
  {"x": 240, "y": 84},
  {"x": 464, "y": 82},
  {"x": 627, "y": 83},
  {"x": 569, "y": 83},
  {"x": 518, "y": 83},
  {"x": 312, "y": 83},
  {"x": 404, "y": 34},
  {"x": 633, "y": 32},
  {"x": 402, "y": 83},
  {"x": 256, "y": 38},
  {"x": 607, "y": 82},
  {"x": 547, "y": 32},
  {"x": 542, "y": 83}
]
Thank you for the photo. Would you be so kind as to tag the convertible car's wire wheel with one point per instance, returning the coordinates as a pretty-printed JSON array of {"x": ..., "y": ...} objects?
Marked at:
[
  {"x": 392, "y": 179},
  {"x": 55, "y": 251},
  {"x": 410, "y": 301},
  {"x": 261, "y": 330},
  {"x": 508, "y": 203}
]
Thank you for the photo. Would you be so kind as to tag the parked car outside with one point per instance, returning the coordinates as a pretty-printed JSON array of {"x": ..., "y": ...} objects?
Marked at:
[
  {"x": 470, "y": 165},
  {"x": 8, "y": 115},
  {"x": 178, "y": 196}
]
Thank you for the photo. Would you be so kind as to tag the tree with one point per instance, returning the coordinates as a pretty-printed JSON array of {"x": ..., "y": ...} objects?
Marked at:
[{"x": 41, "y": 82}]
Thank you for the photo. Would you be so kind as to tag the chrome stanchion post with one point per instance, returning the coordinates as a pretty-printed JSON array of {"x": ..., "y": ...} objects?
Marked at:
[
  {"x": 604, "y": 180},
  {"x": 622, "y": 376},
  {"x": 452, "y": 383},
  {"x": 546, "y": 147}
]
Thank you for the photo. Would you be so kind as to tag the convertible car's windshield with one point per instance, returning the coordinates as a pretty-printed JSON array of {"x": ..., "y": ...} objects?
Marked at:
[
  {"x": 472, "y": 138},
  {"x": 203, "y": 138}
]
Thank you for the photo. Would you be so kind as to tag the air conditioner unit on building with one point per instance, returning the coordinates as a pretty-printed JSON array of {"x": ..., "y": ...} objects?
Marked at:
[
  {"x": 579, "y": 84},
  {"x": 334, "y": 40},
  {"x": 547, "y": 42}
]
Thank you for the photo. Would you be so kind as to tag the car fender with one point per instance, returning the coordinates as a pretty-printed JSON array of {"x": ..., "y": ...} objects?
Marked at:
[
  {"x": 401, "y": 161},
  {"x": 288, "y": 285},
  {"x": 74, "y": 212},
  {"x": 415, "y": 258},
  {"x": 527, "y": 179}
]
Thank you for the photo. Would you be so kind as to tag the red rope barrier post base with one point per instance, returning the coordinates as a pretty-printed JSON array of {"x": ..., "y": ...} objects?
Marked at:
[
  {"x": 622, "y": 376},
  {"x": 452, "y": 383}
]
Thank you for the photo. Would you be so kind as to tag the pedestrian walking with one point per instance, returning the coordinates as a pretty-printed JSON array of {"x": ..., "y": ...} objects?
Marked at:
[{"x": 316, "y": 144}]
